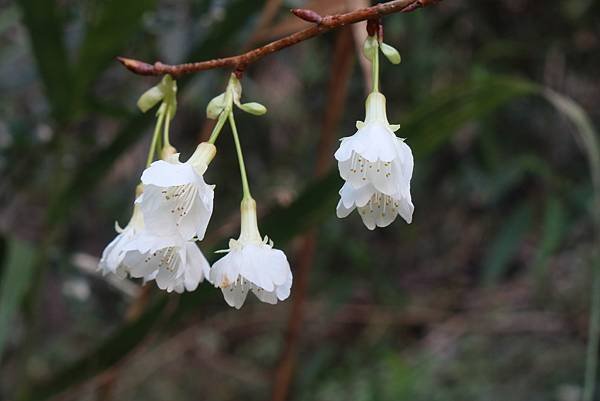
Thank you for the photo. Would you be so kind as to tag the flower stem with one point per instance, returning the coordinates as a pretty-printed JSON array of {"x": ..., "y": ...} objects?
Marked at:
[
  {"x": 238, "y": 148},
  {"x": 155, "y": 136},
  {"x": 219, "y": 126},
  {"x": 375, "y": 69},
  {"x": 167, "y": 127}
]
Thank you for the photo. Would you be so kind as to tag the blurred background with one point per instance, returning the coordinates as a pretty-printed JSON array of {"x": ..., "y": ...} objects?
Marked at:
[{"x": 485, "y": 296}]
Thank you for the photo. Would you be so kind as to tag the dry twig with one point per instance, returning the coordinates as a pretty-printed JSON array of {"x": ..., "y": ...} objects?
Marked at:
[{"x": 321, "y": 25}]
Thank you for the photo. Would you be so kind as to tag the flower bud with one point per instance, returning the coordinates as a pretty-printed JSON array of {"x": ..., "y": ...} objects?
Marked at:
[
  {"x": 253, "y": 108},
  {"x": 150, "y": 98},
  {"x": 391, "y": 53}
]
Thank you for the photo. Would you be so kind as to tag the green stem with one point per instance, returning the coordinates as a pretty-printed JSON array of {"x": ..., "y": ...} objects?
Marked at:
[
  {"x": 219, "y": 126},
  {"x": 375, "y": 69},
  {"x": 238, "y": 148},
  {"x": 167, "y": 128},
  {"x": 152, "y": 150}
]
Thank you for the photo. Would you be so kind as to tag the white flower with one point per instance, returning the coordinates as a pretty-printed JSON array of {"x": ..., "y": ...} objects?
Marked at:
[
  {"x": 176, "y": 196},
  {"x": 175, "y": 264},
  {"x": 252, "y": 264},
  {"x": 114, "y": 253},
  {"x": 376, "y": 209},
  {"x": 377, "y": 167}
]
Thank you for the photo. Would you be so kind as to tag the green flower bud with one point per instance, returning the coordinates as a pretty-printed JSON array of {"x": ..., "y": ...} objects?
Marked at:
[
  {"x": 391, "y": 53},
  {"x": 253, "y": 108},
  {"x": 150, "y": 98}
]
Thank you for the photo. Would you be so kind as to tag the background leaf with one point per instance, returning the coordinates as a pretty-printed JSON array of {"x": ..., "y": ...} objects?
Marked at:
[
  {"x": 16, "y": 275},
  {"x": 44, "y": 22}
]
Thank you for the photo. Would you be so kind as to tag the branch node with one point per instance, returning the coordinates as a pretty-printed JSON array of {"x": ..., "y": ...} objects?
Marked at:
[
  {"x": 239, "y": 71},
  {"x": 373, "y": 26},
  {"x": 307, "y": 15}
]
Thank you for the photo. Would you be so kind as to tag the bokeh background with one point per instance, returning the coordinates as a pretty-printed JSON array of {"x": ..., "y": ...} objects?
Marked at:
[{"x": 485, "y": 296}]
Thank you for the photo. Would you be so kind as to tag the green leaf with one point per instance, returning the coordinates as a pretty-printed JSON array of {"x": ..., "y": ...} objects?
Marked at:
[
  {"x": 430, "y": 126},
  {"x": 585, "y": 134},
  {"x": 111, "y": 24},
  {"x": 506, "y": 244},
  {"x": 45, "y": 25},
  {"x": 16, "y": 275},
  {"x": 553, "y": 230}
]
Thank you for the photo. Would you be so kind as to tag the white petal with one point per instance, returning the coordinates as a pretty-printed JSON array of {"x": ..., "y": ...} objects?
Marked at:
[
  {"x": 141, "y": 264},
  {"x": 356, "y": 196},
  {"x": 197, "y": 267},
  {"x": 406, "y": 209},
  {"x": 265, "y": 296},
  {"x": 235, "y": 295},
  {"x": 342, "y": 211},
  {"x": 225, "y": 271},
  {"x": 165, "y": 174},
  {"x": 255, "y": 266},
  {"x": 283, "y": 291},
  {"x": 368, "y": 217}
]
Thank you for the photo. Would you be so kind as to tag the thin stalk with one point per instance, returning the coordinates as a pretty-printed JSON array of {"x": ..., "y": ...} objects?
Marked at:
[
  {"x": 152, "y": 150},
  {"x": 166, "y": 141},
  {"x": 238, "y": 148},
  {"x": 219, "y": 125},
  {"x": 375, "y": 70}
]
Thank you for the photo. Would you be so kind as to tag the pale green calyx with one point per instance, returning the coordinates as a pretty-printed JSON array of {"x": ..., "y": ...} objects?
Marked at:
[
  {"x": 166, "y": 91},
  {"x": 235, "y": 86},
  {"x": 376, "y": 112},
  {"x": 390, "y": 53},
  {"x": 232, "y": 95},
  {"x": 370, "y": 47},
  {"x": 249, "y": 227},
  {"x": 216, "y": 106}
]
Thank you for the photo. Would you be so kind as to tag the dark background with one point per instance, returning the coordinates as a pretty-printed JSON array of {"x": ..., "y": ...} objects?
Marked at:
[{"x": 485, "y": 296}]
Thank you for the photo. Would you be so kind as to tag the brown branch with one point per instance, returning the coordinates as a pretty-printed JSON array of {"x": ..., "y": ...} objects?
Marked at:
[
  {"x": 322, "y": 24},
  {"x": 341, "y": 70}
]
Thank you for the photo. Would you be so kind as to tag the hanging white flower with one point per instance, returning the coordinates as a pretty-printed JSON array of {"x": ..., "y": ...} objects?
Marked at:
[
  {"x": 377, "y": 167},
  {"x": 252, "y": 264},
  {"x": 111, "y": 261},
  {"x": 176, "y": 195},
  {"x": 175, "y": 264}
]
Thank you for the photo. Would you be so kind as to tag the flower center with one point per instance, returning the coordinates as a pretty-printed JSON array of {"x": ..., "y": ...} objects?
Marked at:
[
  {"x": 181, "y": 198},
  {"x": 380, "y": 203},
  {"x": 361, "y": 167},
  {"x": 169, "y": 259}
]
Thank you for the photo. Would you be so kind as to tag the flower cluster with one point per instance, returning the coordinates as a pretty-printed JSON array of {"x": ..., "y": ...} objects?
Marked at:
[
  {"x": 174, "y": 204},
  {"x": 173, "y": 207}
]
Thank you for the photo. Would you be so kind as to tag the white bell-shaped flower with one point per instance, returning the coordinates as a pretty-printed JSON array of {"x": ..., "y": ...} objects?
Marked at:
[
  {"x": 252, "y": 264},
  {"x": 377, "y": 167},
  {"x": 111, "y": 261},
  {"x": 176, "y": 195},
  {"x": 374, "y": 154},
  {"x": 174, "y": 263}
]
